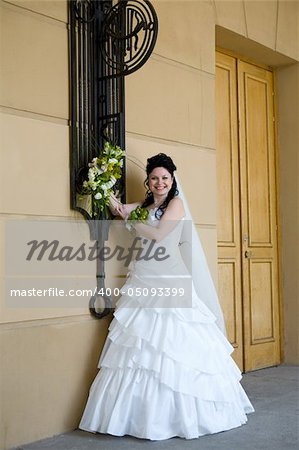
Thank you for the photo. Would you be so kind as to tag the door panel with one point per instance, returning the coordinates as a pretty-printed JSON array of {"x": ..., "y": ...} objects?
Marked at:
[
  {"x": 228, "y": 220},
  {"x": 261, "y": 282},
  {"x": 257, "y": 156},
  {"x": 227, "y": 293},
  {"x": 258, "y": 217}
]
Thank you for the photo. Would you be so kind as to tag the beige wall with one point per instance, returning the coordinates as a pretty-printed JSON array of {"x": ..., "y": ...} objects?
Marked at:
[
  {"x": 271, "y": 23},
  {"x": 288, "y": 140},
  {"x": 48, "y": 357}
]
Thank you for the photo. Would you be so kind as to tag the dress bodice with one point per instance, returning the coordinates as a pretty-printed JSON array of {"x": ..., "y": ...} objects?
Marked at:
[
  {"x": 172, "y": 240},
  {"x": 163, "y": 265}
]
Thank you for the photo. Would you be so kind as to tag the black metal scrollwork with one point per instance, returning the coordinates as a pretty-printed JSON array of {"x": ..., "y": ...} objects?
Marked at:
[
  {"x": 129, "y": 35},
  {"x": 84, "y": 10},
  {"x": 108, "y": 40}
]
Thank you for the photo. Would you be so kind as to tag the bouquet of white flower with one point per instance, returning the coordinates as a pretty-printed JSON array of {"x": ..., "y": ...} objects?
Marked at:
[{"x": 103, "y": 173}]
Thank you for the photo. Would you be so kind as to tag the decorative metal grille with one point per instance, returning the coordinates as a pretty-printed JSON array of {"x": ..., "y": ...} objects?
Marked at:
[
  {"x": 97, "y": 94},
  {"x": 108, "y": 40}
]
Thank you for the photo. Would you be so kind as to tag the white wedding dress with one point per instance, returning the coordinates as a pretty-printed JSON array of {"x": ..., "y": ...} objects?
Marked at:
[{"x": 165, "y": 369}]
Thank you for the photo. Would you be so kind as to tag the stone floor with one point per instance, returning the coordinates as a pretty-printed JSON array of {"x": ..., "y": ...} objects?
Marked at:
[{"x": 273, "y": 426}]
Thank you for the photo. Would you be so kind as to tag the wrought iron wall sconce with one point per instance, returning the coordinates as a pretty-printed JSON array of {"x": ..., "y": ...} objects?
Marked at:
[{"x": 108, "y": 40}]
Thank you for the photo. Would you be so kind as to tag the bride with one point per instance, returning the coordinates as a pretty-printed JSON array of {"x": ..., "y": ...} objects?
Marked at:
[{"x": 166, "y": 369}]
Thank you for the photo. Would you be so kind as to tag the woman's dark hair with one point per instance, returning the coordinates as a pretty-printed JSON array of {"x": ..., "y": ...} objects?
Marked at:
[{"x": 160, "y": 160}]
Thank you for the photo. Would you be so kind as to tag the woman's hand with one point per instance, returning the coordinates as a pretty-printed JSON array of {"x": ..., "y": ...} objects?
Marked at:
[
  {"x": 115, "y": 205},
  {"x": 119, "y": 209}
]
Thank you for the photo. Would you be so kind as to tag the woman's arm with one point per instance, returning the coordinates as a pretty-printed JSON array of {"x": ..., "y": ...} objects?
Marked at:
[{"x": 173, "y": 214}]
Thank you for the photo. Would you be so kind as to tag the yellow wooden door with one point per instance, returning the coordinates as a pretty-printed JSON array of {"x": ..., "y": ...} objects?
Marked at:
[
  {"x": 259, "y": 217},
  {"x": 228, "y": 205},
  {"x": 247, "y": 221}
]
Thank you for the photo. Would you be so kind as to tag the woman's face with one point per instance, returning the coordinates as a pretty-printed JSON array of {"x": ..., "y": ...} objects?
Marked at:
[{"x": 160, "y": 181}]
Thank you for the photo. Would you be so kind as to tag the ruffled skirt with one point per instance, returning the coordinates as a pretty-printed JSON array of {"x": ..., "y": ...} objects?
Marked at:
[{"x": 165, "y": 372}]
